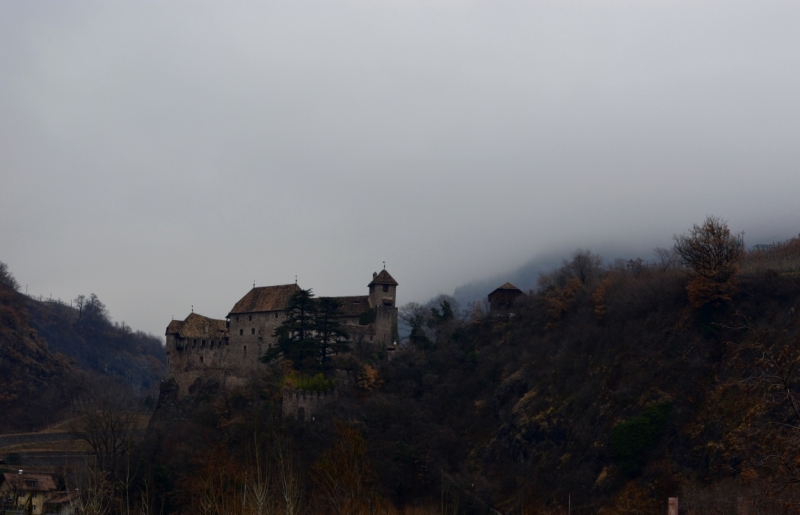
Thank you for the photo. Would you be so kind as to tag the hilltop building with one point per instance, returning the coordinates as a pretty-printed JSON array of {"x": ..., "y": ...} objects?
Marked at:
[
  {"x": 502, "y": 299},
  {"x": 230, "y": 349}
]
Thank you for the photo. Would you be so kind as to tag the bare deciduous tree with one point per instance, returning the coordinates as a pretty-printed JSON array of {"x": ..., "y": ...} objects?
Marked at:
[
  {"x": 666, "y": 259},
  {"x": 712, "y": 253},
  {"x": 105, "y": 420},
  {"x": 710, "y": 250}
]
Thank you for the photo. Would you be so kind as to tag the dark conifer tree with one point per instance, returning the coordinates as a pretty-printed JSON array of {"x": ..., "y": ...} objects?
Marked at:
[
  {"x": 297, "y": 339},
  {"x": 331, "y": 337}
]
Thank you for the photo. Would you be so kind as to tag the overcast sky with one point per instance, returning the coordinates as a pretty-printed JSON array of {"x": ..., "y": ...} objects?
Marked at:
[{"x": 164, "y": 154}]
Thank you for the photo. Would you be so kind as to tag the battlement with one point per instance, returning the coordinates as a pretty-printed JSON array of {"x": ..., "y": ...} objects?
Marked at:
[{"x": 304, "y": 404}]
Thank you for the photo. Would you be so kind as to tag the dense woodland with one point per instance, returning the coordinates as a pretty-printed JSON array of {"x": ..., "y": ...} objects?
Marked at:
[
  {"x": 608, "y": 389},
  {"x": 52, "y": 353}
]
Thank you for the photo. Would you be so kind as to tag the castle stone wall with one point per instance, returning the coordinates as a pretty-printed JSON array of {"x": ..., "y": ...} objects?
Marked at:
[
  {"x": 305, "y": 405},
  {"x": 229, "y": 352}
]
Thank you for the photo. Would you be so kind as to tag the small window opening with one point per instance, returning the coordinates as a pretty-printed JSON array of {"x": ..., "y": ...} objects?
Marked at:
[
  {"x": 237, "y": 319},
  {"x": 201, "y": 359},
  {"x": 203, "y": 343},
  {"x": 244, "y": 350},
  {"x": 253, "y": 331},
  {"x": 241, "y": 332},
  {"x": 250, "y": 317},
  {"x": 385, "y": 287},
  {"x": 276, "y": 315}
]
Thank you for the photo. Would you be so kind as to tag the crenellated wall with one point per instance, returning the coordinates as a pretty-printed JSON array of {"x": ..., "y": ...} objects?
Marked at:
[{"x": 305, "y": 405}]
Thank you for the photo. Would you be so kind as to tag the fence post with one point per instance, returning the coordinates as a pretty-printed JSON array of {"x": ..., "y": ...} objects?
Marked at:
[{"x": 673, "y": 506}]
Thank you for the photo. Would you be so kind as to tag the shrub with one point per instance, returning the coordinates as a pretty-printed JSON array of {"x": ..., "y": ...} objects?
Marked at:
[
  {"x": 316, "y": 383},
  {"x": 633, "y": 439}
]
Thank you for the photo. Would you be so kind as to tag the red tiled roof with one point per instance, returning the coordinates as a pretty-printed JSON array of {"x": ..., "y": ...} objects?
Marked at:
[
  {"x": 507, "y": 287},
  {"x": 198, "y": 326},
  {"x": 174, "y": 327},
  {"x": 353, "y": 306},
  {"x": 383, "y": 278},
  {"x": 30, "y": 482},
  {"x": 265, "y": 298}
]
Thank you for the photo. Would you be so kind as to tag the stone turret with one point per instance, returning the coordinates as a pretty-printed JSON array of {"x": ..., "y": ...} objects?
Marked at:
[{"x": 382, "y": 298}]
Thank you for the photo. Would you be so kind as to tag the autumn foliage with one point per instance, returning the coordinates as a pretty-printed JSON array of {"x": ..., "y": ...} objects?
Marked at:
[{"x": 712, "y": 253}]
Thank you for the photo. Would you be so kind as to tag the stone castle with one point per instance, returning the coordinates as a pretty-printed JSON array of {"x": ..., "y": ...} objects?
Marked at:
[{"x": 229, "y": 350}]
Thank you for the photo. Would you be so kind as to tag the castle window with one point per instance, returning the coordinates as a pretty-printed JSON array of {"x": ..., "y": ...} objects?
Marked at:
[
  {"x": 250, "y": 317},
  {"x": 203, "y": 343},
  {"x": 194, "y": 343},
  {"x": 253, "y": 331},
  {"x": 385, "y": 287},
  {"x": 244, "y": 350},
  {"x": 241, "y": 332},
  {"x": 201, "y": 359},
  {"x": 276, "y": 315},
  {"x": 237, "y": 319}
]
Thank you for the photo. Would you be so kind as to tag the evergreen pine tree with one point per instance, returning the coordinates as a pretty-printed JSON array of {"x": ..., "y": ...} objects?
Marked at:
[
  {"x": 297, "y": 340},
  {"x": 331, "y": 337}
]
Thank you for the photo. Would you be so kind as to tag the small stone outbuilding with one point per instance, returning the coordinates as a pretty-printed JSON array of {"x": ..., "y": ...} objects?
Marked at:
[{"x": 502, "y": 299}]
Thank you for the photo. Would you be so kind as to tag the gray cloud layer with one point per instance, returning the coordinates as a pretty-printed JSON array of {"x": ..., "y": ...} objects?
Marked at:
[{"x": 163, "y": 154}]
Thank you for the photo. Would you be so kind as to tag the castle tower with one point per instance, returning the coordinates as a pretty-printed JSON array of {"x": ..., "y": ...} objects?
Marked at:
[{"x": 382, "y": 298}]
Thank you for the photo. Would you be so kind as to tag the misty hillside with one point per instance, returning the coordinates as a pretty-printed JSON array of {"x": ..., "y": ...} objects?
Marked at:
[
  {"x": 36, "y": 385},
  {"x": 50, "y": 354},
  {"x": 98, "y": 345},
  {"x": 613, "y": 387},
  {"x": 524, "y": 277}
]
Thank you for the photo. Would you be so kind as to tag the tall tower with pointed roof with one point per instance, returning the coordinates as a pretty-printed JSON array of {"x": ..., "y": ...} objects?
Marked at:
[{"x": 382, "y": 298}]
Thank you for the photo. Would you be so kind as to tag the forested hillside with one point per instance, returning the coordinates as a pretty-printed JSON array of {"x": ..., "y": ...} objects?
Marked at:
[
  {"x": 52, "y": 354},
  {"x": 610, "y": 389},
  {"x": 87, "y": 334},
  {"x": 36, "y": 385}
]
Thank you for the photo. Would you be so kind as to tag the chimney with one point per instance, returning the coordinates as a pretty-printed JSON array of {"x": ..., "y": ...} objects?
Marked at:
[{"x": 374, "y": 275}]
